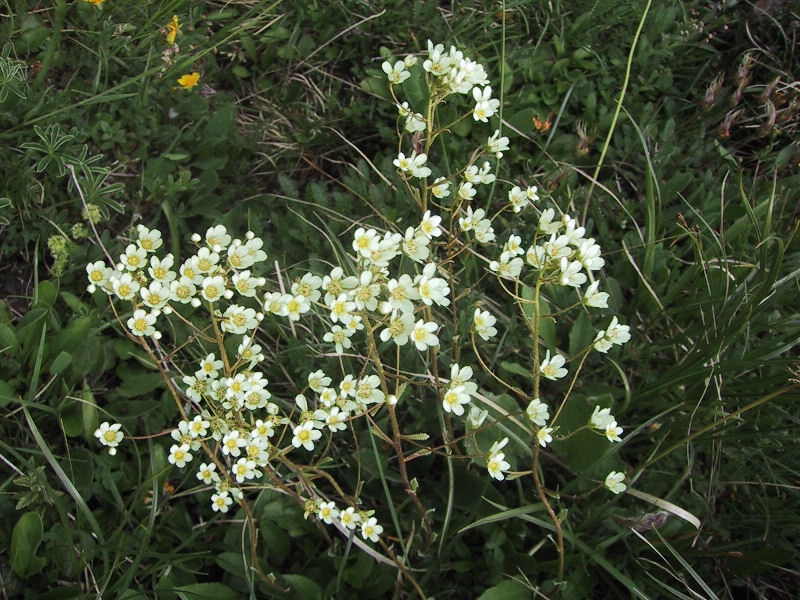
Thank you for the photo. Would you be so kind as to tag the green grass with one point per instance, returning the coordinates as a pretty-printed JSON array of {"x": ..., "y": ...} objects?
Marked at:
[{"x": 696, "y": 216}]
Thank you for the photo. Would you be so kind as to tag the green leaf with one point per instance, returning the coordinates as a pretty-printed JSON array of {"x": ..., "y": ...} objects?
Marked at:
[
  {"x": 211, "y": 591},
  {"x": 8, "y": 340},
  {"x": 308, "y": 589},
  {"x": 515, "y": 368},
  {"x": 61, "y": 362},
  {"x": 139, "y": 385},
  {"x": 506, "y": 590},
  {"x": 26, "y": 537},
  {"x": 581, "y": 334}
]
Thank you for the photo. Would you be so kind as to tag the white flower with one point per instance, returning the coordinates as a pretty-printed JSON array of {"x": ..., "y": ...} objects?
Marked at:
[
  {"x": 593, "y": 298},
  {"x": 133, "y": 258},
  {"x": 495, "y": 462},
  {"x": 512, "y": 245},
  {"x": 368, "y": 390},
  {"x": 485, "y": 105},
  {"x": 347, "y": 386},
  {"x": 552, "y": 368},
  {"x": 198, "y": 427},
  {"x": 244, "y": 469},
  {"x": 109, "y": 435},
  {"x": 155, "y": 296},
  {"x": 496, "y": 144},
  {"x": 476, "y": 417},
  {"x": 141, "y": 324},
  {"x": 601, "y": 418},
  {"x": 483, "y": 322},
  {"x": 339, "y": 337},
  {"x": 517, "y": 198},
  {"x": 614, "y": 482},
  {"x": 305, "y": 435},
  {"x": 245, "y": 284},
  {"x": 454, "y": 400},
  {"x": 232, "y": 443},
  {"x": 546, "y": 224},
  {"x": 507, "y": 266},
  {"x": 544, "y": 437},
  {"x": 400, "y": 293},
  {"x": 238, "y": 319},
  {"x": 160, "y": 269},
  {"x": 220, "y": 502},
  {"x": 414, "y": 122},
  {"x": 399, "y": 328},
  {"x": 414, "y": 164},
  {"x": 308, "y": 286},
  {"x": 440, "y": 188},
  {"x": 370, "y": 530},
  {"x": 366, "y": 241},
  {"x": 397, "y": 73},
  {"x": 571, "y": 273},
  {"x": 484, "y": 233},
  {"x": 349, "y": 517},
  {"x": 613, "y": 431},
  {"x": 318, "y": 380},
  {"x": 179, "y": 455},
  {"x": 182, "y": 290},
  {"x": 365, "y": 295},
  {"x": 537, "y": 412},
  {"x": 273, "y": 303},
  {"x": 466, "y": 191},
  {"x": 148, "y": 240},
  {"x": 98, "y": 274},
  {"x": 207, "y": 473},
  {"x": 589, "y": 255},
  {"x": 217, "y": 238},
  {"x": 294, "y": 306},
  {"x": 327, "y": 512},
  {"x": 213, "y": 287},
  {"x": 205, "y": 260},
  {"x": 415, "y": 245},
  {"x": 124, "y": 285},
  {"x": 253, "y": 247},
  {"x": 613, "y": 334},
  {"x": 423, "y": 335},
  {"x": 209, "y": 367},
  {"x": 432, "y": 290}
]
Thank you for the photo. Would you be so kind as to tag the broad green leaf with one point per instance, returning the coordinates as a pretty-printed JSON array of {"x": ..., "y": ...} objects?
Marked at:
[
  {"x": 507, "y": 590},
  {"x": 206, "y": 591},
  {"x": 305, "y": 587},
  {"x": 25, "y": 539},
  {"x": 61, "y": 362}
]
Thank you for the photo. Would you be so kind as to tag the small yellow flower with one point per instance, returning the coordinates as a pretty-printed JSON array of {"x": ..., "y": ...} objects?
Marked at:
[
  {"x": 172, "y": 29},
  {"x": 95, "y": 2},
  {"x": 188, "y": 80}
]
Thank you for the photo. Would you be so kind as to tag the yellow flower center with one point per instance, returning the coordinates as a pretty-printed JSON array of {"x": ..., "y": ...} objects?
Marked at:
[
  {"x": 303, "y": 435},
  {"x": 179, "y": 454},
  {"x": 292, "y": 306},
  {"x": 204, "y": 264},
  {"x": 97, "y": 275},
  {"x": 140, "y": 324},
  {"x": 235, "y": 260},
  {"x": 239, "y": 320},
  {"x": 124, "y": 290},
  {"x": 211, "y": 291},
  {"x": 146, "y": 243},
  {"x": 159, "y": 272},
  {"x": 133, "y": 260},
  {"x": 153, "y": 298},
  {"x": 110, "y": 435}
]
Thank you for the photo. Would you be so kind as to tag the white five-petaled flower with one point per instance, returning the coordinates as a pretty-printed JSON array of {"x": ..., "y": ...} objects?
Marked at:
[
  {"x": 207, "y": 473},
  {"x": 148, "y": 240},
  {"x": 454, "y": 399},
  {"x": 305, "y": 435},
  {"x": 370, "y": 529},
  {"x": 553, "y": 368},
  {"x": 537, "y": 412},
  {"x": 592, "y": 297},
  {"x": 179, "y": 455},
  {"x": 483, "y": 322},
  {"x": 485, "y": 105},
  {"x": 614, "y": 483},
  {"x": 327, "y": 512},
  {"x": 349, "y": 517},
  {"x": 423, "y": 335},
  {"x": 396, "y": 73},
  {"x": 141, "y": 324},
  {"x": 109, "y": 435},
  {"x": 543, "y": 435},
  {"x": 221, "y": 501}
]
